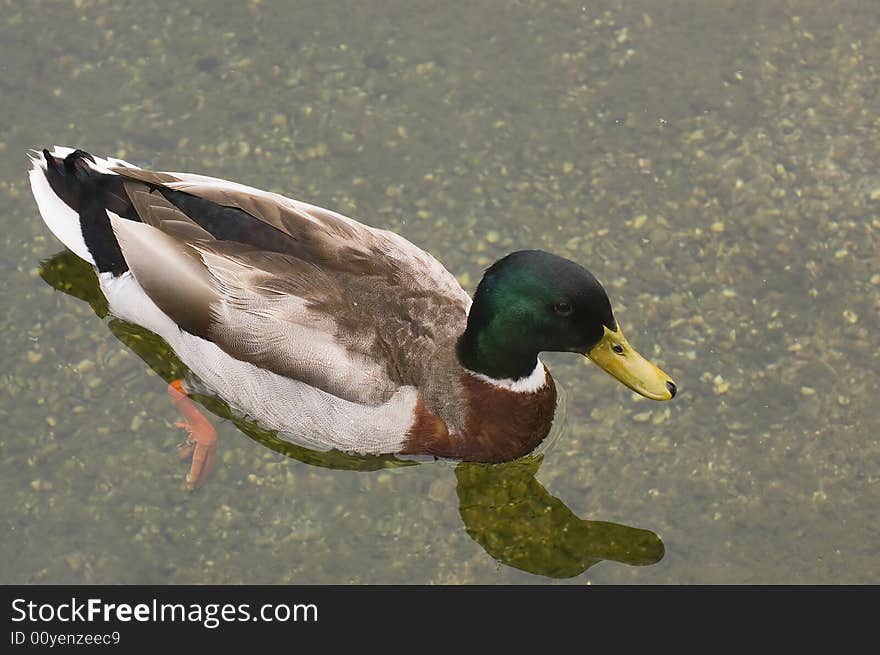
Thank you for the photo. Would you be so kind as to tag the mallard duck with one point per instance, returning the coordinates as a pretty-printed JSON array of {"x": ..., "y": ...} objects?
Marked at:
[{"x": 335, "y": 334}]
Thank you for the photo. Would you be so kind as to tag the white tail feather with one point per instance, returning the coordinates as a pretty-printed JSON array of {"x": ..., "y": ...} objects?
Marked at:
[{"x": 59, "y": 218}]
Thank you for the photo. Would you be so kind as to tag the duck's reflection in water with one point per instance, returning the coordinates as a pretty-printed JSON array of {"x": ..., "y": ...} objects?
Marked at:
[
  {"x": 516, "y": 520},
  {"x": 503, "y": 506}
]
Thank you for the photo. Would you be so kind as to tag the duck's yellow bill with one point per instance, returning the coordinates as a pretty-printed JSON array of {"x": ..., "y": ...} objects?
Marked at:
[{"x": 615, "y": 356}]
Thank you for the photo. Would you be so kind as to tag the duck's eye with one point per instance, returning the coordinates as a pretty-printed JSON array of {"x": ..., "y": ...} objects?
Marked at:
[
  {"x": 563, "y": 308},
  {"x": 617, "y": 348}
]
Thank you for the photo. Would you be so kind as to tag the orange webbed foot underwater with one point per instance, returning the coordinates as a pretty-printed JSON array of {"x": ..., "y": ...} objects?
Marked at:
[{"x": 201, "y": 439}]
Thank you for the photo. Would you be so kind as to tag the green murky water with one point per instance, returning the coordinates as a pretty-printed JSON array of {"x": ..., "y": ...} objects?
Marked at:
[{"x": 714, "y": 163}]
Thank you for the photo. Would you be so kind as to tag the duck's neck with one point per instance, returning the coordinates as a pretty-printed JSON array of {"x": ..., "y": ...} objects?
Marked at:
[{"x": 489, "y": 351}]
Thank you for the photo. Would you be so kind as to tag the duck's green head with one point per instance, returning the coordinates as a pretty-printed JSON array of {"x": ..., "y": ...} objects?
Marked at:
[{"x": 533, "y": 301}]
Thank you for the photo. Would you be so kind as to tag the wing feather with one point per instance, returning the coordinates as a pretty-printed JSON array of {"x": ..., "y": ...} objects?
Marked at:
[{"x": 349, "y": 309}]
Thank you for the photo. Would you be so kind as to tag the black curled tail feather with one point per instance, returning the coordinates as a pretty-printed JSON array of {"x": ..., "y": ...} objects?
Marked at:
[{"x": 90, "y": 193}]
